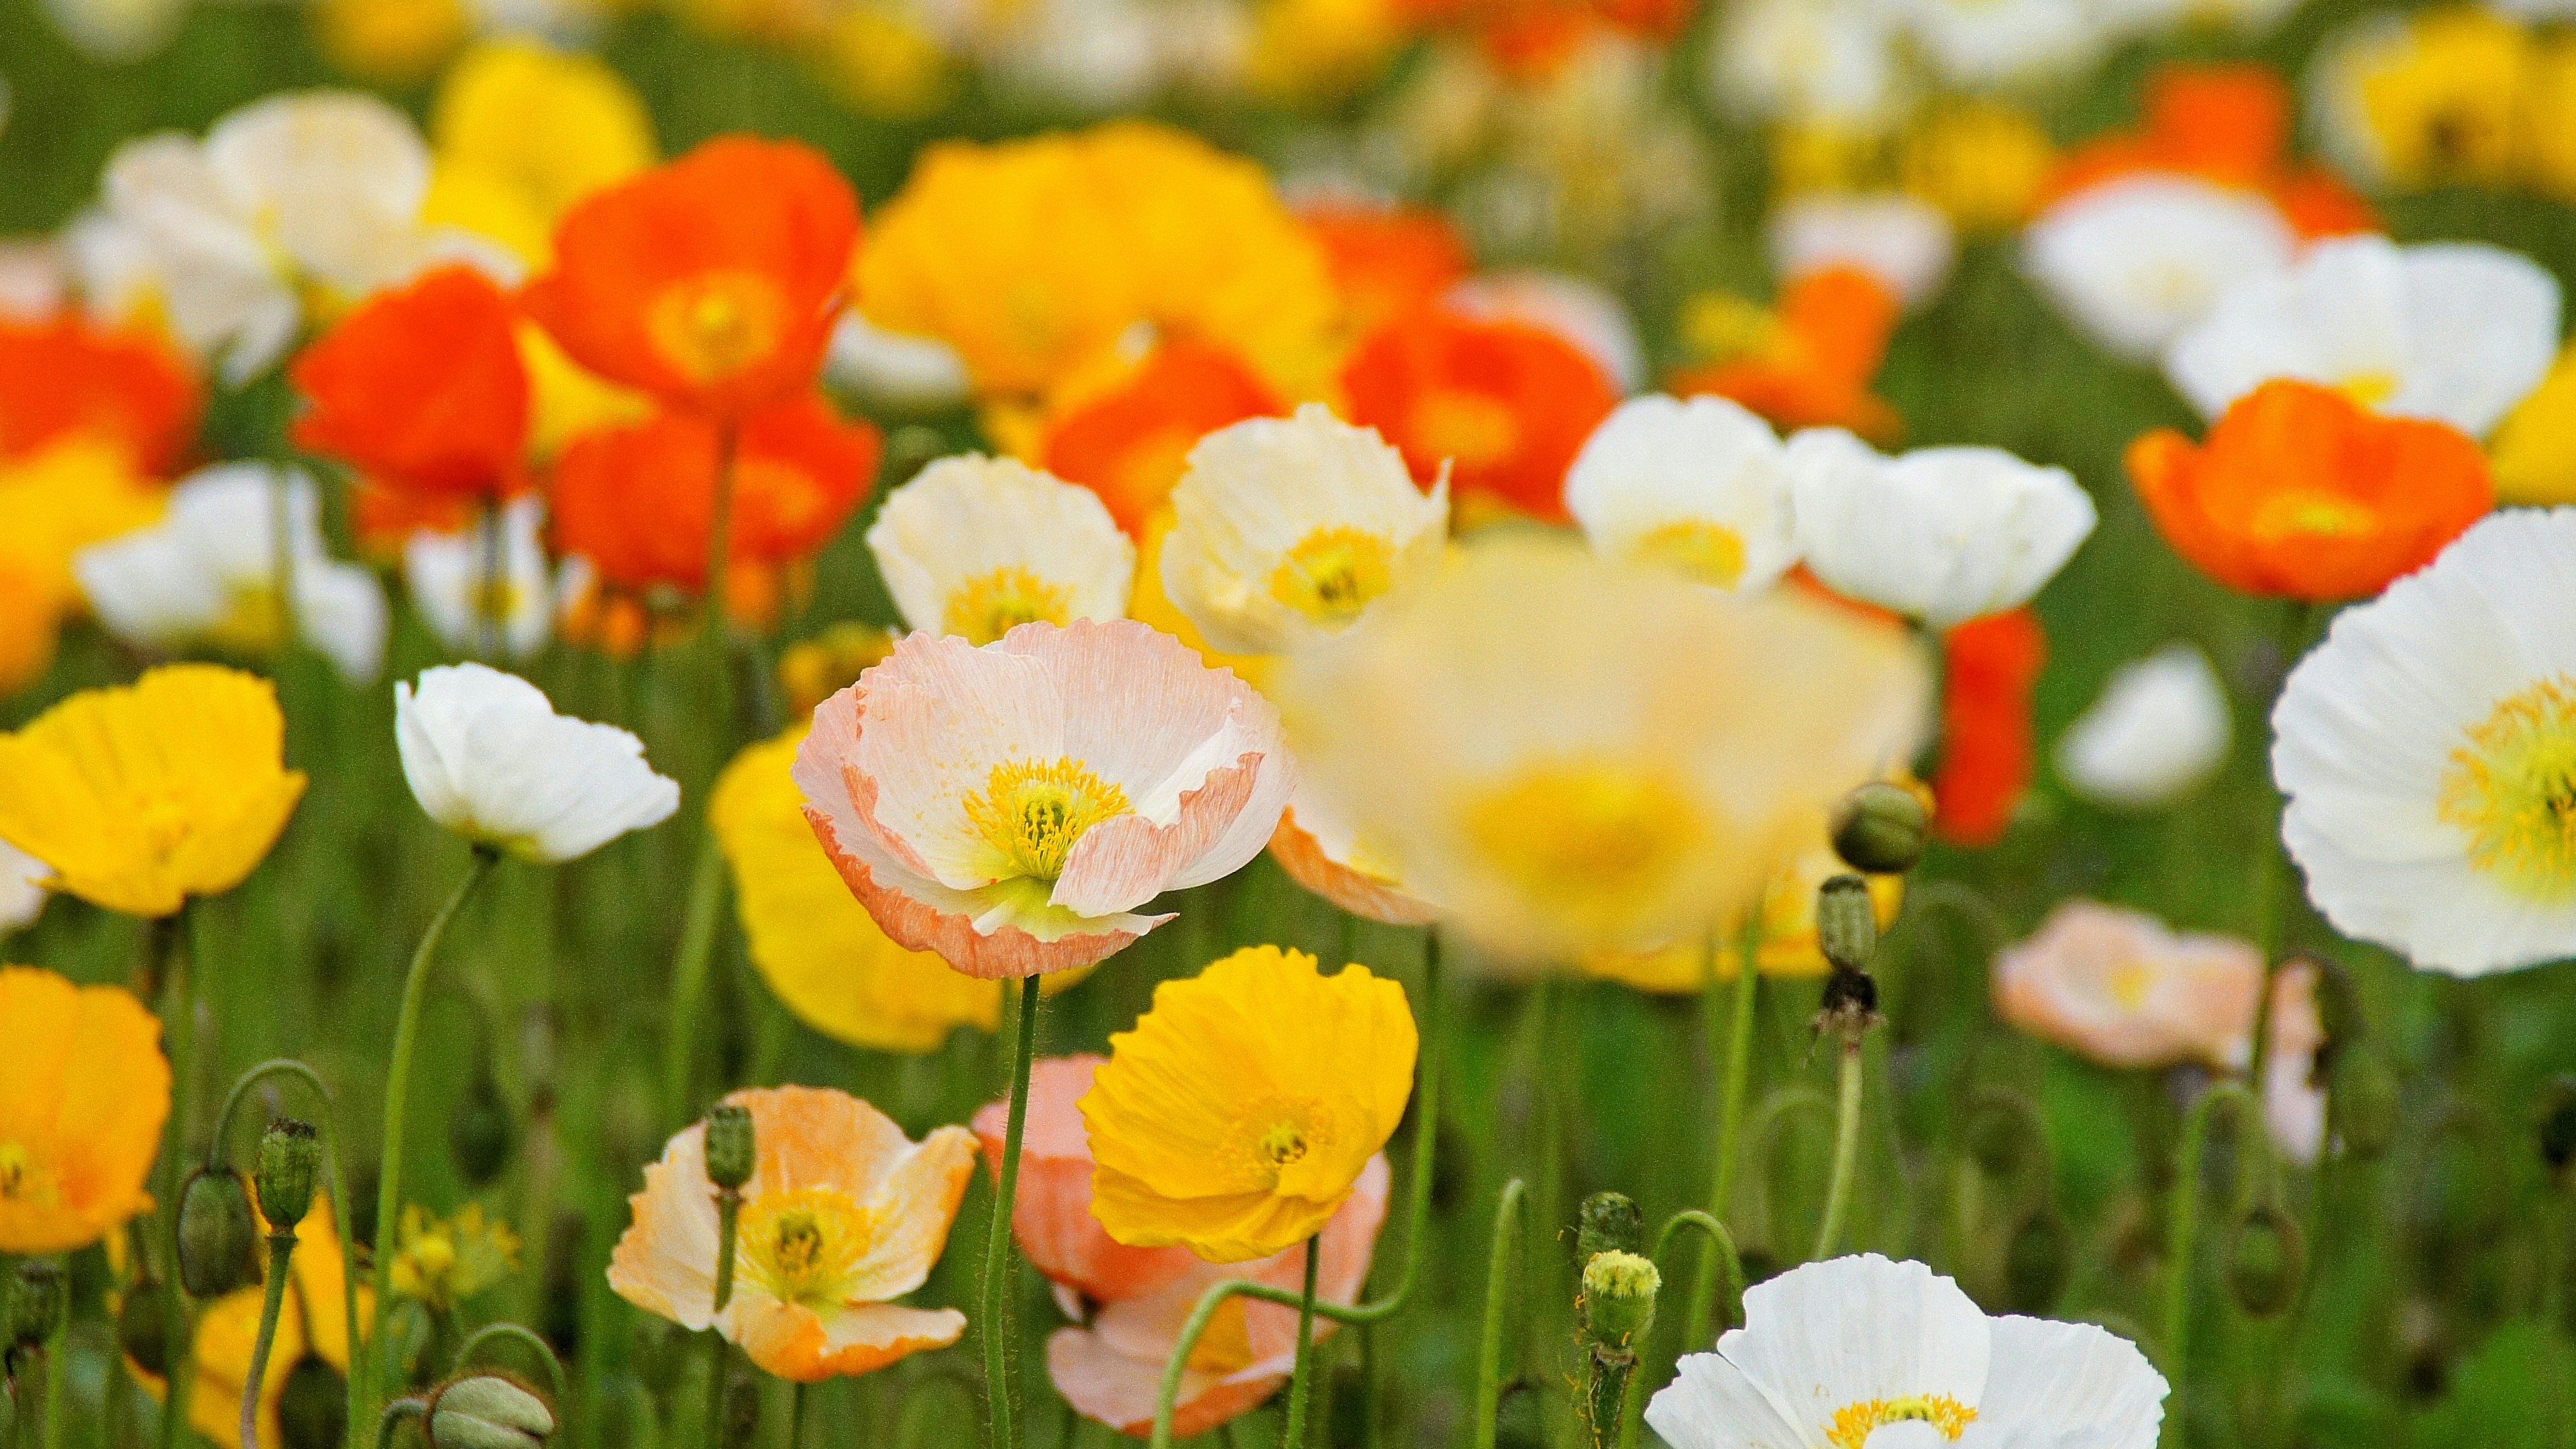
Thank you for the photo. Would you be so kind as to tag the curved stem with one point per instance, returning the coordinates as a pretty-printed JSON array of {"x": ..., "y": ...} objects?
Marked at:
[
  {"x": 1721, "y": 1254},
  {"x": 538, "y": 1348},
  {"x": 2184, "y": 1222},
  {"x": 689, "y": 975},
  {"x": 394, "y": 1414},
  {"x": 179, "y": 1016},
  {"x": 1846, "y": 1151},
  {"x": 1001, "y": 1398},
  {"x": 1730, "y": 1112},
  {"x": 281, "y": 1263},
  {"x": 1489, "y": 1352},
  {"x": 397, "y": 1101},
  {"x": 1300, "y": 1378}
]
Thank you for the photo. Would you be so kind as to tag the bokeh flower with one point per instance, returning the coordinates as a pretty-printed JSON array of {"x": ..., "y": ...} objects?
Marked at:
[
  {"x": 440, "y": 1262},
  {"x": 2227, "y": 124},
  {"x": 2159, "y": 729},
  {"x": 2137, "y": 260},
  {"x": 1904, "y": 244},
  {"x": 1989, "y": 748},
  {"x": 1010, "y": 807},
  {"x": 2125, "y": 990},
  {"x": 313, "y": 1326},
  {"x": 68, "y": 378},
  {"x": 142, "y": 795},
  {"x": 1130, "y": 440},
  {"x": 489, "y": 759},
  {"x": 1580, "y": 311},
  {"x": 976, "y": 546},
  {"x": 1787, "y": 918},
  {"x": 2300, "y": 491},
  {"x": 468, "y": 603},
  {"x": 2434, "y": 97},
  {"x": 843, "y": 1214},
  {"x": 2534, "y": 449},
  {"x": 596, "y": 132},
  {"x": 1386, "y": 259},
  {"x": 1500, "y": 407},
  {"x": 1239, "y": 1114},
  {"x": 421, "y": 387},
  {"x": 22, "y": 888},
  {"x": 1807, "y": 362},
  {"x": 73, "y": 493},
  {"x": 1051, "y": 1216},
  {"x": 81, "y": 1109},
  {"x": 1700, "y": 487},
  {"x": 1322, "y": 852}
]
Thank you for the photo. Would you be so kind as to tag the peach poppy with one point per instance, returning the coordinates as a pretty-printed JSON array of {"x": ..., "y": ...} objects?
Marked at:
[
  {"x": 711, "y": 282},
  {"x": 843, "y": 1214},
  {"x": 1386, "y": 260},
  {"x": 1111, "y": 1370},
  {"x": 1131, "y": 442},
  {"x": 83, "y": 1092},
  {"x": 1009, "y": 807},
  {"x": 2224, "y": 123},
  {"x": 1504, "y": 406},
  {"x": 2299, "y": 491},
  {"x": 1051, "y": 1216},
  {"x": 1988, "y": 753},
  {"x": 71, "y": 377},
  {"x": 1808, "y": 363},
  {"x": 421, "y": 388},
  {"x": 2121, "y": 987},
  {"x": 1326, "y": 857}
]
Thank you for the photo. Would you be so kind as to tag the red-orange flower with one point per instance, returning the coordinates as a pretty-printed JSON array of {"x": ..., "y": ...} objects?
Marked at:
[
  {"x": 1990, "y": 666},
  {"x": 2225, "y": 123},
  {"x": 1129, "y": 444},
  {"x": 711, "y": 282},
  {"x": 1386, "y": 259},
  {"x": 421, "y": 388},
  {"x": 2301, "y": 492},
  {"x": 1504, "y": 404},
  {"x": 1812, "y": 367},
  {"x": 69, "y": 377}
]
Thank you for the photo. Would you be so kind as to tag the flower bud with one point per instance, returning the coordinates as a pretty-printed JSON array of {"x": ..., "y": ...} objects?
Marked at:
[
  {"x": 2265, "y": 1260},
  {"x": 289, "y": 1160},
  {"x": 1847, "y": 923},
  {"x": 1880, "y": 828},
  {"x": 40, "y": 1298},
  {"x": 731, "y": 1150},
  {"x": 218, "y": 1241},
  {"x": 2554, "y": 1114},
  {"x": 488, "y": 1411},
  {"x": 2366, "y": 1104},
  {"x": 142, "y": 1331},
  {"x": 313, "y": 1406},
  {"x": 480, "y": 1130},
  {"x": 2037, "y": 1262},
  {"x": 1611, "y": 1224},
  {"x": 1619, "y": 1300}
]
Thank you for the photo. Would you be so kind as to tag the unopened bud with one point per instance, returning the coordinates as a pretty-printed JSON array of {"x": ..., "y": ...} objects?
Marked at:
[
  {"x": 2265, "y": 1261},
  {"x": 289, "y": 1160},
  {"x": 218, "y": 1240},
  {"x": 1847, "y": 923},
  {"x": 2037, "y": 1263},
  {"x": 1880, "y": 829},
  {"x": 489, "y": 1411},
  {"x": 313, "y": 1406},
  {"x": 480, "y": 1130},
  {"x": 40, "y": 1299},
  {"x": 1619, "y": 1300},
  {"x": 2366, "y": 1103},
  {"x": 1611, "y": 1224},
  {"x": 732, "y": 1151},
  {"x": 142, "y": 1331}
]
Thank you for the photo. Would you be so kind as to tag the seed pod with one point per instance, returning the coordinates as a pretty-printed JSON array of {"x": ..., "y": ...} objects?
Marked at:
[
  {"x": 1618, "y": 1301},
  {"x": 2037, "y": 1262},
  {"x": 141, "y": 1330},
  {"x": 1847, "y": 923},
  {"x": 289, "y": 1160},
  {"x": 488, "y": 1411},
  {"x": 2265, "y": 1260},
  {"x": 40, "y": 1298},
  {"x": 1611, "y": 1223},
  {"x": 731, "y": 1149},
  {"x": 480, "y": 1130},
  {"x": 218, "y": 1239},
  {"x": 2366, "y": 1104},
  {"x": 313, "y": 1406},
  {"x": 1880, "y": 829}
]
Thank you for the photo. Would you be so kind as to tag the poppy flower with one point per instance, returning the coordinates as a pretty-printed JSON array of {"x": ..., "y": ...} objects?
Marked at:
[
  {"x": 75, "y": 493},
  {"x": 421, "y": 387},
  {"x": 1988, "y": 752},
  {"x": 1700, "y": 487},
  {"x": 1503, "y": 407},
  {"x": 80, "y": 1111},
  {"x": 489, "y": 759},
  {"x": 1809, "y": 362},
  {"x": 1130, "y": 442},
  {"x": 2139, "y": 259},
  {"x": 1386, "y": 260},
  {"x": 2301, "y": 492},
  {"x": 977, "y": 546},
  {"x": 843, "y": 1214},
  {"x": 70, "y": 377},
  {"x": 711, "y": 282},
  {"x": 2228, "y": 124},
  {"x": 1051, "y": 1216}
]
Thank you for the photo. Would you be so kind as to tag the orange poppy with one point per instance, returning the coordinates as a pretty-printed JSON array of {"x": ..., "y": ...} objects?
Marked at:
[
  {"x": 1504, "y": 405},
  {"x": 1386, "y": 259},
  {"x": 2303, "y": 493},
  {"x": 711, "y": 282},
  {"x": 1990, "y": 666},
  {"x": 421, "y": 388},
  {"x": 2225, "y": 123},
  {"x": 68, "y": 376},
  {"x": 1809, "y": 363},
  {"x": 1129, "y": 444},
  {"x": 638, "y": 501}
]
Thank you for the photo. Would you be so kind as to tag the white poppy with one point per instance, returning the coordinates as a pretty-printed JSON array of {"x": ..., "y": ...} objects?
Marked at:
[
  {"x": 468, "y": 603},
  {"x": 1808, "y": 60},
  {"x": 1865, "y": 1351},
  {"x": 1286, "y": 530},
  {"x": 1698, "y": 486},
  {"x": 1943, "y": 535},
  {"x": 117, "y": 31},
  {"x": 976, "y": 546},
  {"x": 2134, "y": 262},
  {"x": 489, "y": 759},
  {"x": 2159, "y": 729},
  {"x": 2426, "y": 747},
  {"x": 1585, "y": 314},
  {"x": 207, "y": 575},
  {"x": 2159, "y": 17},
  {"x": 899, "y": 370},
  {"x": 1904, "y": 243},
  {"x": 22, "y": 896},
  {"x": 1982, "y": 43},
  {"x": 2456, "y": 332}
]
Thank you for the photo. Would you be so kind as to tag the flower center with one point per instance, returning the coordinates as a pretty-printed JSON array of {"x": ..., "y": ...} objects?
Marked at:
[
  {"x": 1853, "y": 1423},
  {"x": 714, "y": 326},
  {"x": 1284, "y": 1143},
  {"x": 804, "y": 1246},
  {"x": 1334, "y": 573},
  {"x": 988, "y": 606},
  {"x": 2309, "y": 513},
  {"x": 24, "y": 1180},
  {"x": 1469, "y": 427},
  {"x": 253, "y": 624},
  {"x": 1596, "y": 838},
  {"x": 1710, "y": 553},
  {"x": 1033, "y": 813},
  {"x": 2512, "y": 790}
]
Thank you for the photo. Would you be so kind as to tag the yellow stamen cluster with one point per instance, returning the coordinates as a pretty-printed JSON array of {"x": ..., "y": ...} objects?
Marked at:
[
  {"x": 1853, "y": 1423},
  {"x": 2512, "y": 790},
  {"x": 1695, "y": 548},
  {"x": 1032, "y": 812},
  {"x": 714, "y": 326},
  {"x": 804, "y": 1246},
  {"x": 1334, "y": 573},
  {"x": 988, "y": 606}
]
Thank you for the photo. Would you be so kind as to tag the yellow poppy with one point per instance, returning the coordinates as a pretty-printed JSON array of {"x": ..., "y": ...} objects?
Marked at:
[
  {"x": 596, "y": 131},
  {"x": 142, "y": 795},
  {"x": 83, "y": 1092}
]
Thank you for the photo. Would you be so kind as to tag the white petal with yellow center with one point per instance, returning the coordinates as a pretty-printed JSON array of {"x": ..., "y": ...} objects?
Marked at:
[
  {"x": 1700, "y": 487},
  {"x": 976, "y": 546}
]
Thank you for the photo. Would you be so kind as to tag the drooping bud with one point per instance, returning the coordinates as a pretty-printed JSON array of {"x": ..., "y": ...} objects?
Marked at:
[
  {"x": 2366, "y": 1103},
  {"x": 488, "y": 1411},
  {"x": 40, "y": 1299},
  {"x": 731, "y": 1150},
  {"x": 2338, "y": 1013},
  {"x": 1847, "y": 923},
  {"x": 1619, "y": 1300},
  {"x": 2265, "y": 1260},
  {"x": 480, "y": 1129},
  {"x": 290, "y": 1159},
  {"x": 1880, "y": 828},
  {"x": 218, "y": 1240},
  {"x": 1610, "y": 1224},
  {"x": 313, "y": 1407},
  {"x": 142, "y": 1331},
  {"x": 2037, "y": 1262}
]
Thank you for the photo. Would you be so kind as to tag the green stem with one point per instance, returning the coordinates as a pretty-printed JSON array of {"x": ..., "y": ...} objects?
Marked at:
[
  {"x": 1730, "y": 1111},
  {"x": 1721, "y": 1254},
  {"x": 1846, "y": 1150},
  {"x": 179, "y": 1016},
  {"x": 395, "y": 1413},
  {"x": 536, "y": 1345},
  {"x": 281, "y": 1268},
  {"x": 728, "y": 1221},
  {"x": 690, "y": 974},
  {"x": 796, "y": 1416},
  {"x": 2183, "y": 1224},
  {"x": 2271, "y": 873},
  {"x": 1372, "y": 1431},
  {"x": 397, "y": 1103},
  {"x": 1489, "y": 1351},
  {"x": 999, "y": 1391},
  {"x": 1299, "y": 1379}
]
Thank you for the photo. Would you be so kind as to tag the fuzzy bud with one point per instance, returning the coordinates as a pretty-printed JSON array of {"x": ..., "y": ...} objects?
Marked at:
[
  {"x": 313, "y": 1406},
  {"x": 290, "y": 1159},
  {"x": 1880, "y": 829},
  {"x": 2265, "y": 1260},
  {"x": 1847, "y": 923},
  {"x": 1619, "y": 1301},
  {"x": 731, "y": 1150},
  {"x": 218, "y": 1239},
  {"x": 1611, "y": 1224},
  {"x": 480, "y": 1130},
  {"x": 489, "y": 1411},
  {"x": 40, "y": 1299}
]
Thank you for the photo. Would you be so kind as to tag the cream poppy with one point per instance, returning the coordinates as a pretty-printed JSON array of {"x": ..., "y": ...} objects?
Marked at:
[
  {"x": 1697, "y": 486},
  {"x": 450, "y": 576},
  {"x": 1978, "y": 44},
  {"x": 900, "y": 370},
  {"x": 2134, "y": 262},
  {"x": 1010, "y": 807},
  {"x": 489, "y": 759},
  {"x": 2160, "y": 728},
  {"x": 2455, "y": 332},
  {"x": 1903, "y": 243},
  {"x": 1286, "y": 530},
  {"x": 976, "y": 546}
]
